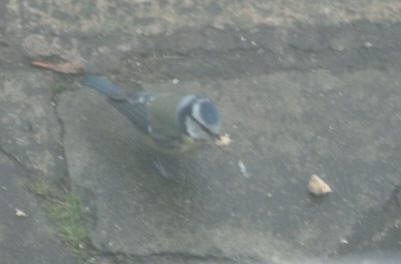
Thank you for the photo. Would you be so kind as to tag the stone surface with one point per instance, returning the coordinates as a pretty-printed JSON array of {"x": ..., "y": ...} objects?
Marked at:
[
  {"x": 30, "y": 238},
  {"x": 30, "y": 130},
  {"x": 303, "y": 88},
  {"x": 342, "y": 127},
  {"x": 161, "y": 17}
]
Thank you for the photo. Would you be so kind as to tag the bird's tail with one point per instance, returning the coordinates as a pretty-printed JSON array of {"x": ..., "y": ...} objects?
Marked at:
[{"x": 103, "y": 86}]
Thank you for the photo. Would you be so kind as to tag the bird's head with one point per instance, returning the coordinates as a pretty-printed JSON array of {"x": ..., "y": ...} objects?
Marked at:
[{"x": 199, "y": 118}]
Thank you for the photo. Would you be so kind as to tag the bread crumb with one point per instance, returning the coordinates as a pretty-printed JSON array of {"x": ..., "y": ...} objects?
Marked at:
[
  {"x": 224, "y": 140},
  {"x": 317, "y": 186}
]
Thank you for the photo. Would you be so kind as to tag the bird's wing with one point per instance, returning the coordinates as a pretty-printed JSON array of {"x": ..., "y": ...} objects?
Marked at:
[
  {"x": 135, "y": 108},
  {"x": 153, "y": 115},
  {"x": 132, "y": 105},
  {"x": 103, "y": 86}
]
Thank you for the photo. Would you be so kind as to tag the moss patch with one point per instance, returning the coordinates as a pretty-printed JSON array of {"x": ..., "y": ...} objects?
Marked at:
[
  {"x": 65, "y": 211},
  {"x": 59, "y": 88},
  {"x": 39, "y": 186}
]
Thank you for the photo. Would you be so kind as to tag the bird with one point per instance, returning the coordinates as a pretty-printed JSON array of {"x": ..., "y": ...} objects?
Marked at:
[{"x": 170, "y": 123}]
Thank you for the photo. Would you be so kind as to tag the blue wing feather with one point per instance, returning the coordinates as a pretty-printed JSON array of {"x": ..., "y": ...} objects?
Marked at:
[
  {"x": 103, "y": 86},
  {"x": 132, "y": 105}
]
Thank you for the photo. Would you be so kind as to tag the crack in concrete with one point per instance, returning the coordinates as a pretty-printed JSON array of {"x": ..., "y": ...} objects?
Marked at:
[
  {"x": 188, "y": 256},
  {"x": 66, "y": 179},
  {"x": 14, "y": 159},
  {"x": 175, "y": 257}
]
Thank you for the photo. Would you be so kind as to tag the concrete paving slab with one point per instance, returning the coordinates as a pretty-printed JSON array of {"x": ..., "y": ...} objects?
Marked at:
[
  {"x": 30, "y": 131},
  {"x": 161, "y": 17},
  {"x": 30, "y": 238},
  {"x": 304, "y": 88},
  {"x": 285, "y": 128}
]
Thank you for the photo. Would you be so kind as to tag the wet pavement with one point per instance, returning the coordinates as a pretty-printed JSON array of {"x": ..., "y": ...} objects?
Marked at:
[{"x": 302, "y": 89}]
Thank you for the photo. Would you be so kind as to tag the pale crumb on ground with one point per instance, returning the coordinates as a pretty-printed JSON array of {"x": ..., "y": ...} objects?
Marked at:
[
  {"x": 19, "y": 212},
  {"x": 317, "y": 186},
  {"x": 224, "y": 140}
]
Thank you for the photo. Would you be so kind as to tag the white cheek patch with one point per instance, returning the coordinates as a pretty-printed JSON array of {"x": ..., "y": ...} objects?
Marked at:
[
  {"x": 194, "y": 130},
  {"x": 196, "y": 111}
]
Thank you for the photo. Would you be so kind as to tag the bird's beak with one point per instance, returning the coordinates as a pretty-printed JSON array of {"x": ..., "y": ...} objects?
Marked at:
[{"x": 212, "y": 135}]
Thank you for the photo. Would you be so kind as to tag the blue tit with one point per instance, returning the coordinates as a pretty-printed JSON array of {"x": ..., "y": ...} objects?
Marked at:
[{"x": 170, "y": 123}]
